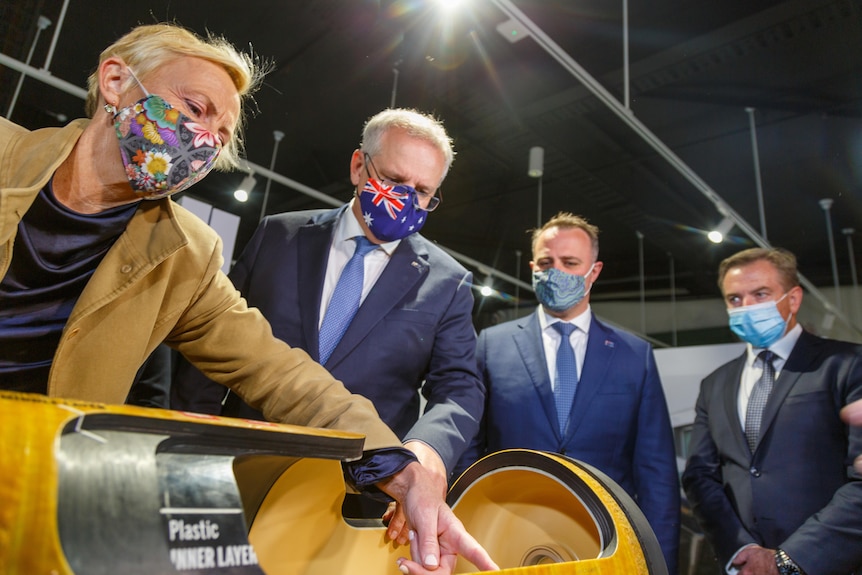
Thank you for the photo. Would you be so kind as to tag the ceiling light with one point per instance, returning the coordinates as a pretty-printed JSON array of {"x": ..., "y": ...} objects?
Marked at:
[
  {"x": 716, "y": 236},
  {"x": 537, "y": 162},
  {"x": 486, "y": 291},
  {"x": 245, "y": 187},
  {"x": 449, "y": 5}
]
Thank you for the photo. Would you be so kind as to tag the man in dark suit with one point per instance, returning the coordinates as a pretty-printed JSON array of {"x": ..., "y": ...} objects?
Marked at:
[
  {"x": 413, "y": 329},
  {"x": 770, "y": 476},
  {"x": 618, "y": 420}
]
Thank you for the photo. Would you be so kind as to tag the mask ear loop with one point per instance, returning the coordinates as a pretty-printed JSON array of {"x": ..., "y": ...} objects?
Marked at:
[
  {"x": 357, "y": 190},
  {"x": 778, "y": 301},
  {"x": 141, "y": 84},
  {"x": 589, "y": 271},
  {"x": 112, "y": 109}
]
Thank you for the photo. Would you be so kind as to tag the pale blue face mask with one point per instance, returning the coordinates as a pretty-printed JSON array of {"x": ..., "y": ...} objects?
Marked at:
[
  {"x": 559, "y": 291},
  {"x": 759, "y": 324}
]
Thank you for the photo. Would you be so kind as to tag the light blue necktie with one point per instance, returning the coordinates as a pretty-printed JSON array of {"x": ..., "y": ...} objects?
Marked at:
[
  {"x": 345, "y": 299},
  {"x": 566, "y": 382}
]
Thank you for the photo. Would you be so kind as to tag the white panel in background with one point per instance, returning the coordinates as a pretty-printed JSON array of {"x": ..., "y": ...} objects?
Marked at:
[
  {"x": 197, "y": 207},
  {"x": 224, "y": 223},
  {"x": 683, "y": 368}
]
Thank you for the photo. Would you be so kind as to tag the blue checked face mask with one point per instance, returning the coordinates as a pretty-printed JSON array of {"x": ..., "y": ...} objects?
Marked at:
[
  {"x": 759, "y": 324},
  {"x": 559, "y": 291}
]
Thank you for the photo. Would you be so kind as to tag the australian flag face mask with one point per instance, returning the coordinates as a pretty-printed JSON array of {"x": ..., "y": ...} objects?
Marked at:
[{"x": 390, "y": 210}]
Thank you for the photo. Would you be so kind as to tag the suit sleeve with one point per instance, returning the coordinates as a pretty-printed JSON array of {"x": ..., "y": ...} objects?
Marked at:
[
  {"x": 655, "y": 469},
  {"x": 477, "y": 447},
  {"x": 830, "y": 541},
  {"x": 455, "y": 394},
  {"x": 702, "y": 481}
]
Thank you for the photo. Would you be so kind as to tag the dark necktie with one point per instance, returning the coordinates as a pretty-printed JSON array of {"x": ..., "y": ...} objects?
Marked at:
[
  {"x": 345, "y": 299},
  {"x": 566, "y": 382},
  {"x": 759, "y": 397}
]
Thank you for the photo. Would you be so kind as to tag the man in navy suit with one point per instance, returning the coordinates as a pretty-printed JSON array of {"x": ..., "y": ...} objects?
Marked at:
[
  {"x": 770, "y": 476},
  {"x": 413, "y": 330},
  {"x": 618, "y": 420}
]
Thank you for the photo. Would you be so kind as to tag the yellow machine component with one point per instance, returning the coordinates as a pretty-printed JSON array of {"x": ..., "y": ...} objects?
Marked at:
[
  {"x": 91, "y": 489},
  {"x": 535, "y": 513}
]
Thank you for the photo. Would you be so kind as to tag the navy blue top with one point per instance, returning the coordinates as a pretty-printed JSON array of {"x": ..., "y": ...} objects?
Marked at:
[{"x": 56, "y": 252}]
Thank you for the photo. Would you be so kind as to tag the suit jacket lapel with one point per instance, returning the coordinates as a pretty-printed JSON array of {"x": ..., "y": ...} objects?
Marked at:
[
  {"x": 730, "y": 394},
  {"x": 601, "y": 346},
  {"x": 798, "y": 362},
  {"x": 528, "y": 340},
  {"x": 408, "y": 265},
  {"x": 312, "y": 244}
]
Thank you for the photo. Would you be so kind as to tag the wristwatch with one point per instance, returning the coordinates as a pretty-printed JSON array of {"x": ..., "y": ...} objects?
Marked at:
[{"x": 786, "y": 565}]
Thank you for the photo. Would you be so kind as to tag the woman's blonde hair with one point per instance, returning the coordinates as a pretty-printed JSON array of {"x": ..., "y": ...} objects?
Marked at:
[{"x": 148, "y": 47}]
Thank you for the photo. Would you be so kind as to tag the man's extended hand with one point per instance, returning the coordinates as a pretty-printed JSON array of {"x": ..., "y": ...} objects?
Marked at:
[
  {"x": 756, "y": 560},
  {"x": 396, "y": 522},
  {"x": 438, "y": 536}
]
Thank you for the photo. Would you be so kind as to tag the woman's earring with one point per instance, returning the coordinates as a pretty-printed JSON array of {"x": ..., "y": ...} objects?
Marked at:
[{"x": 111, "y": 109}]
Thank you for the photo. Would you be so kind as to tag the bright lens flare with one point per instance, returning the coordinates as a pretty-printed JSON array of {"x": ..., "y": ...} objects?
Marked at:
[{"x": 449, "y": 6}]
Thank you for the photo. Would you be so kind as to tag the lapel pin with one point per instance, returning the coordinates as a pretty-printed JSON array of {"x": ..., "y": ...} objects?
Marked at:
[{"x": 609, "y": 343}]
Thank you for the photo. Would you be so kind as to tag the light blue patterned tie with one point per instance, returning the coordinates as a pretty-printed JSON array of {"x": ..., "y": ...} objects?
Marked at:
[
  {"x": 759, "y": 396},
  {"x": 345, "y": 299},
  {"x": 566, "y": 382}
]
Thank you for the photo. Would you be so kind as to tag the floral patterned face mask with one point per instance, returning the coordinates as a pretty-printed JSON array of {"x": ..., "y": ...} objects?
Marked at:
[{"x": 163, "y": 150}]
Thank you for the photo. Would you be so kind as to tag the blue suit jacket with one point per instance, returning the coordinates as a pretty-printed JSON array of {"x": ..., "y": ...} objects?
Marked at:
[
  {"x": 619, "y": 421},
  {"x": 413, "y": 328},
  {"x": 798, "y": 490}
]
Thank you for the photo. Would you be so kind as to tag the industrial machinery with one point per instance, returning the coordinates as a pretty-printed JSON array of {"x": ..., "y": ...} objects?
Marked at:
[{"x": 91, "y": 489}]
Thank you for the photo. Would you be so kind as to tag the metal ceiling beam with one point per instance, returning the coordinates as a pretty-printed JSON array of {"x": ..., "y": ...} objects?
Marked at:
[{"x": 626, "y": 115}]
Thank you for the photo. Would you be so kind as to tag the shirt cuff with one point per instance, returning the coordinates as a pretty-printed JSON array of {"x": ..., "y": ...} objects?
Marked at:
[
  {"x": 374, "y": 467},
  {"x": 729, "y": 568}
]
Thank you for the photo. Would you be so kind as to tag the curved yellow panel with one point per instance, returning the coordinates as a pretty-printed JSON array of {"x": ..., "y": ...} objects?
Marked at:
[{"x": 535, "y": 513}]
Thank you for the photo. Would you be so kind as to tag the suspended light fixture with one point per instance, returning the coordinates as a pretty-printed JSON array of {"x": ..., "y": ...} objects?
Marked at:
[
  {"x": 278, "y": 136},
  {"x": 245, "y": 187},
  {"x": 717, "y": 235},
  {"x": 537, "y": 162},
  {"x": 535, "y": 169}
]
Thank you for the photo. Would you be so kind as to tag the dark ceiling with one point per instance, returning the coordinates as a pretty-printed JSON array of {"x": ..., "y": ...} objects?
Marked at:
[{"x": 695, "y": 67}]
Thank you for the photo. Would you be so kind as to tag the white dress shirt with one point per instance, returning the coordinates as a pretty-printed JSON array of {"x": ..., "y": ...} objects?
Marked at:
[{"x": 341, "y": 250}]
